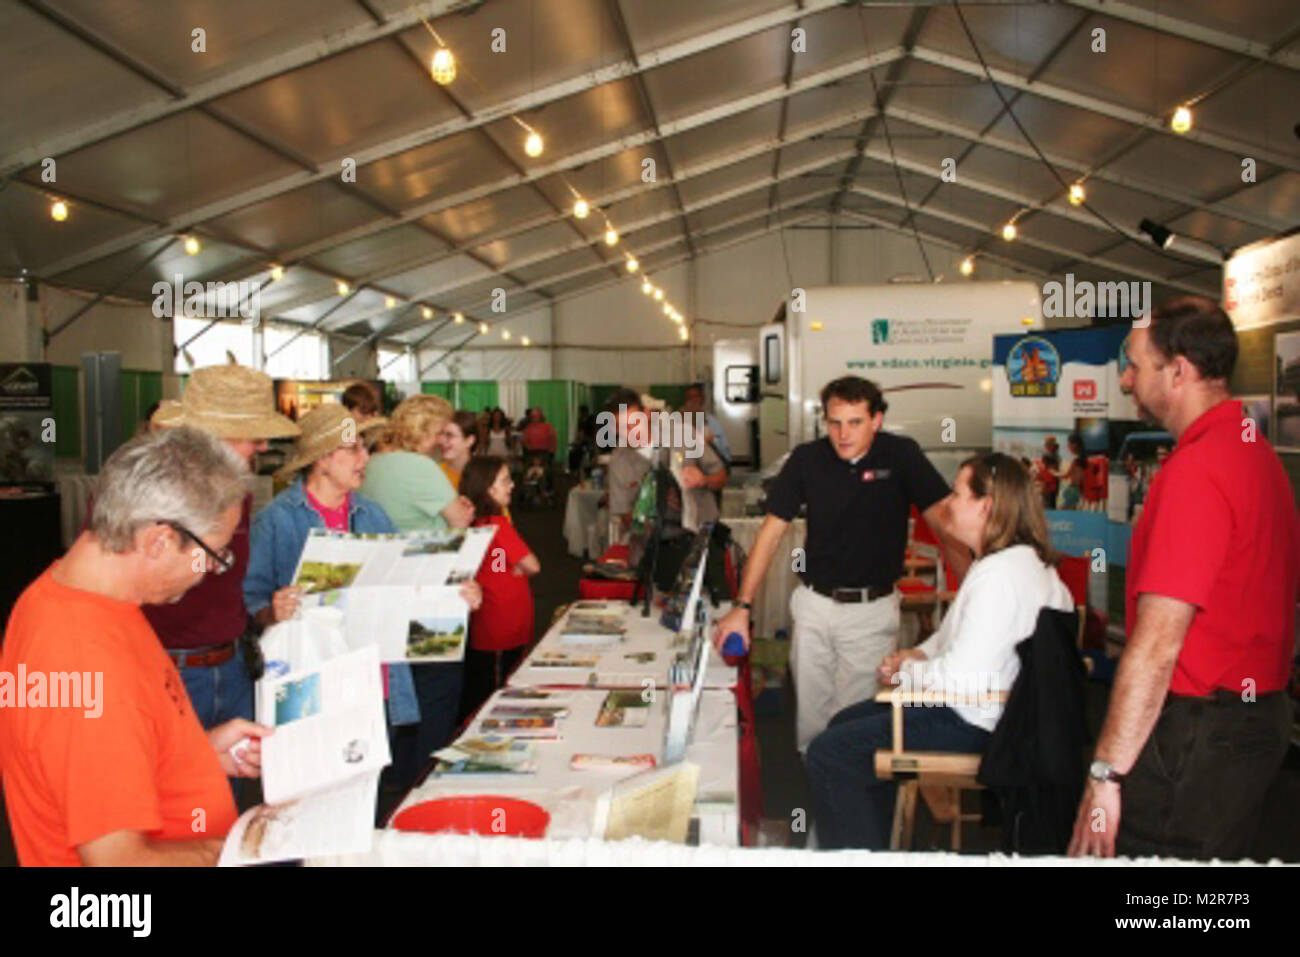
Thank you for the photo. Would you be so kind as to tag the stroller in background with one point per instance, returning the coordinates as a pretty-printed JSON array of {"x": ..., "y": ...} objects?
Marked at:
[{"x": 537, "y": 485}]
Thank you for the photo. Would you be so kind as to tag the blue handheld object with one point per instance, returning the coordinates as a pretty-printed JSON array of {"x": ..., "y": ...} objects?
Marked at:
[{"x": 734, "y": 645}]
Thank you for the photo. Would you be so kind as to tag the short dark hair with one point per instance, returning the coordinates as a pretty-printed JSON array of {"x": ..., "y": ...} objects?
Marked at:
[
  {"x": 622, "y": 396},
  {"x": 360, "y": 397},
  {"x": 477, "y": 478},
  {"x": 854, "y": 388},
  {"x": 1199, "y": 330},
  {"x": 467, "y": 422}
]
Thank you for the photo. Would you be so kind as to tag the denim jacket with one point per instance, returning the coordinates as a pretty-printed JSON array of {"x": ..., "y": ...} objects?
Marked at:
[{"x": 279, "y": 533}]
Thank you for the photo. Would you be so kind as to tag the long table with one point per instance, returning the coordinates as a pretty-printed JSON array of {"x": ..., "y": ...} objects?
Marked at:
[{"x": 570, "y": 796}]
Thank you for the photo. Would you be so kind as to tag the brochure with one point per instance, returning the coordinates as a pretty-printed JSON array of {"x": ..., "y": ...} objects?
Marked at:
[
  {"x": 320, "y": 769},
  {"x": 398, "y": 592},
  {"x": 624, "y": 709}
]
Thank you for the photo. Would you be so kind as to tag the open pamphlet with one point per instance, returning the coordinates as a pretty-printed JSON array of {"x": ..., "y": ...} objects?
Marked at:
[
  {"x": 320, "y": 769},
  {"x": 398, "y": 592},
  {"x": 489, "y": 754},
  {"x": 686, "y": 675}
]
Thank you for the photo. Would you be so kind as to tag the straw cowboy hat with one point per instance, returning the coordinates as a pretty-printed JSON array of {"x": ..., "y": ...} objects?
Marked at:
[
  {"x": 230, "y": 402},
  {"x": 325, "y": 428}
]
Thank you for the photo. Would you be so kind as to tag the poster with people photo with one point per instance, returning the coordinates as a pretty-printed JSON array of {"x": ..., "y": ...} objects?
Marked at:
[{"x": 1286, "y": 392}]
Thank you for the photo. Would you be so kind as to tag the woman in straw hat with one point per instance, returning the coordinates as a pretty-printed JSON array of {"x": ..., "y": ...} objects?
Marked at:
[
  {"x": 406, "y": 481},
  {"x": 203, "y": 632},
  {"x": 328, "y": 466}
]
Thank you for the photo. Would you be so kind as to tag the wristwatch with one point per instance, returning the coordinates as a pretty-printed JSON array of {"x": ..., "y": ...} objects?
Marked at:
[
  {"x": 1103, "y": 771},
  {"x": 742, "y": 604}
]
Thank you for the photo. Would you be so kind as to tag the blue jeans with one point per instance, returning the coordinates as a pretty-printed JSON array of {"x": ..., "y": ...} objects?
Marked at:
[
  {"x": 220, "y": 693},
  {"x": 853, "y": 807}
]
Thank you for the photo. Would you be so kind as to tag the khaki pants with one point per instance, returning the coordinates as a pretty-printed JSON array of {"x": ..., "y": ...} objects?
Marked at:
[{"x": 836, "y": 651}]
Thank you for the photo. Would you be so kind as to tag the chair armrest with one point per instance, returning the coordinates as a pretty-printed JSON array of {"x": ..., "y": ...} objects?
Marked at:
[{"x": 898, "y": 698}]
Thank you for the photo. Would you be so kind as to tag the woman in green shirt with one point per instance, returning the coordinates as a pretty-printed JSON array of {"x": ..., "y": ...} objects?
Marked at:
[{"x": 409, "y": 485}]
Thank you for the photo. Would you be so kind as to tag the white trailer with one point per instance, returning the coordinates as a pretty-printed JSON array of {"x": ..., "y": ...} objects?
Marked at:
[{"x": 928, "y": 346}]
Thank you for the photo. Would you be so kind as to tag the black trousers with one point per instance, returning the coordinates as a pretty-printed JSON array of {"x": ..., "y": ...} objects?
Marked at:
[
  {"x": 485, "y": 672},
  {"x": 1198, "y": 786}
]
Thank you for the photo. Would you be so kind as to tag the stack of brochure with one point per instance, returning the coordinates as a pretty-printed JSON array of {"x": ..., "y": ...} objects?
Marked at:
[{"x": 595, "y": 623}]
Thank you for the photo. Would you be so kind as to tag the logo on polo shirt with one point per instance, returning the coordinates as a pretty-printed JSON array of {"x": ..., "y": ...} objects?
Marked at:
[{"x": 871, "y": 475}]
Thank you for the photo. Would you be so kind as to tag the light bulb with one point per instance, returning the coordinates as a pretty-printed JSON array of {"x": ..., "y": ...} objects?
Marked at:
[
  {"x": 505, "y": 333},
  {"x": 967, "y": 265},
  {"x": 458, "y": 317},
  {"x": 646, "y": 287},
  {"x": 482, "y": 328},
  {"x": 611, "y": 236},
  {"x": 659, "y": 294},
  {"x": 526, "y": 341},
  {"x": 58, "y": 210},
  {"x": 633, "y": 265},
  {"x": 1077, "y": 194},
  {"x": 192, "y": 245},
  {"x": 683, "y": 333},
  {"x": 533, "y": 145},
  {"x": 1181, "y": 121},
  {"x": 668, "y": 310},
  {"x": 1009, "y": 232},
  {"x": 277, "y": 272},
  {"x": 342, "y": 287},
  {"x": 443, "y": 66},
  {"x": 426, "y": 312},
  {"x": 581, "y": 208},
  {"x": 389, "y": 302}
]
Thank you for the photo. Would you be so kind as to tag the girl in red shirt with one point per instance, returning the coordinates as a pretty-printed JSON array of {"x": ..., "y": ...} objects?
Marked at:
[{"x": 502, "y": 628}]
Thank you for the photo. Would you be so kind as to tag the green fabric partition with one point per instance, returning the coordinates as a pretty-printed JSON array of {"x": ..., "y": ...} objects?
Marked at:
[
  {"x": 443, "y": 389},
  {"x": 140, "y": 390},
  {"x": 674, "y": 395},
  {"x": 554, "y": 396},
  {"x": 67, "y": 412},
  {"x": 598, "y": 395},
  {"x": 478, "y": 394}
]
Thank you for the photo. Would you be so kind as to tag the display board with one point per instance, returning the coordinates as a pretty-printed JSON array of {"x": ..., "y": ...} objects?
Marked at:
[{"x": 27, "y": 427}]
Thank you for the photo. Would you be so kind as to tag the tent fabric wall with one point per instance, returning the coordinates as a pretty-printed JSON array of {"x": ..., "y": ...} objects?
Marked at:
[{"x": 512, "y": 396}]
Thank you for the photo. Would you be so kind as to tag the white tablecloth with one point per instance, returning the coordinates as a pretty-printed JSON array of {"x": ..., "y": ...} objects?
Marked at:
[
  {"x": 586, "y": 524},
  {"x": 772, "y": 603},
  {"x": 570, "y": 796},
  {"x": 614, "y": 669}
]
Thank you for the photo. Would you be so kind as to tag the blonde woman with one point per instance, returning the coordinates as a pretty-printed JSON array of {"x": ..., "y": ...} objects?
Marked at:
[
  {"x": 403, "y": 478},
  {"x": 995, "y": 511}
]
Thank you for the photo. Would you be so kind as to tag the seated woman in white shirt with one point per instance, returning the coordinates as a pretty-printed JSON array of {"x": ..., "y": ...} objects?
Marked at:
[{"x": 997, "y": 513}]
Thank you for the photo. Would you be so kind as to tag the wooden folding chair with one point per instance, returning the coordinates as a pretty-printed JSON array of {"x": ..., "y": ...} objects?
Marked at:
[{"x": 939, "y": 777}]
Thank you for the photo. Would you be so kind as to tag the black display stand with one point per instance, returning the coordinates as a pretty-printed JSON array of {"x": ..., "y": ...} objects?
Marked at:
[{"x": 33, "y": 521}]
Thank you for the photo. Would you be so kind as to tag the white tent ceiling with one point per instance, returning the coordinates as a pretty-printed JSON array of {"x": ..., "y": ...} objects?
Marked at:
[{"x": 242, "y": 145}]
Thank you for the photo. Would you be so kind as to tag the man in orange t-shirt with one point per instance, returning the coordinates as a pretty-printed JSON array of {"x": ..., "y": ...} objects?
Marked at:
[{"x": 104, "y": 761}]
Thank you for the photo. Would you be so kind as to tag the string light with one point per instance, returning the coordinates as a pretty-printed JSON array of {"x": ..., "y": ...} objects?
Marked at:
[
  {"x": 458, "y": 318},
  {"x": 58, "y": 211},
  {"x": 533, "y": 145},
  {"x": 277, "y": 272},
  {"x": 389, "y": 302},
  {"x": 683, "y": 333},
  {"x": 483, "y": 328},
  {"x": 192, "y": 245},
  {"x": 668, "y": 310},
  {"x": 659, "y": 294},
  {"x": 426, "y": 312},
  {"x": 526, "y": 341},
  {"x": 611, "y": 236},
  {"x": 443, "y": 66},
  {"x": 1181, "y": 121},
  {"x": 632, "y": 264},
  {"x": 342, "y": 287},
  {"x": 646, "y": 287},
  {"x": 581, "y": 208},
  {"x": 505, "y": 334},
  {"x": 1077, "y": 194},
  {"x": 967, "y": 266},
  {"x": 1009, "y": 230}
]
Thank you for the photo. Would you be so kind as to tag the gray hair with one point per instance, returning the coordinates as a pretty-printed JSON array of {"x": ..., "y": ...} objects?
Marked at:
[{"x": 177, "y": 475}]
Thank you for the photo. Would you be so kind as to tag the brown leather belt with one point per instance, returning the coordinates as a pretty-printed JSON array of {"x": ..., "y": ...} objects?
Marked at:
[
  {"x": 208, "y": 657},
  {"x": 853, "y": 595}
]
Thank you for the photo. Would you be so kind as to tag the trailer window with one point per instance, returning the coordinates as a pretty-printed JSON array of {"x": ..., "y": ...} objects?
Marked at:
[
  {"x": 772, "y": 358},
  {"x": 742, "y": 384}
]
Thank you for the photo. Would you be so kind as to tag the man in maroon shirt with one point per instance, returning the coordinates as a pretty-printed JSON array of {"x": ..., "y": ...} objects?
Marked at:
[
  {"x": 202, "y": 631},
  {"x": 1199, "y": 719}
]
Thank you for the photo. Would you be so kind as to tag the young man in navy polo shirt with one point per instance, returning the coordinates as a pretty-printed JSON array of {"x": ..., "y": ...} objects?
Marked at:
[
  {"x": 858, "y": 484},
  {"x": 1199, "y": 718}
]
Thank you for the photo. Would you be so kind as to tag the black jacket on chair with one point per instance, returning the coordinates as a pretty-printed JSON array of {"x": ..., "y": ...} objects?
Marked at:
[{"x": 1034, "y": 761}]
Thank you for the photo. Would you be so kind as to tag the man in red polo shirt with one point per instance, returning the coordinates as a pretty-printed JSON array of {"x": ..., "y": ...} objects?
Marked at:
[{"x": 1199, "y": 719}]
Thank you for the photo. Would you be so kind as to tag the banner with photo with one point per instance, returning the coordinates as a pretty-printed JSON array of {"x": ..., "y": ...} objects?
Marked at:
[{"x": 27, "y": 426}]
